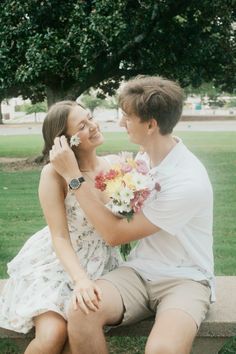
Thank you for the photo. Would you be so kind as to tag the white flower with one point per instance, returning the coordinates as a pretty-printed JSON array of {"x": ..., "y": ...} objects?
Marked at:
[
  {"x": 125, "y": 155},
  {"x": 74, "y": 140},
  {"x": 116, "y": 208},
  {"x": 139, "y": 180},
  {"x": 126, "y": 194}
]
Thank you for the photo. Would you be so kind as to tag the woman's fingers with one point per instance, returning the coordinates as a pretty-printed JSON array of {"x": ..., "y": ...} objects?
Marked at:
[
  {"x": 60, "y": 142},
  {"x": 98, "y": 292},
  {"x": 81, "y": 304},
  {"x": 64, "y": 142},
  {"x": 74, "y": 301},
  {"x": 88, "y": 299}
]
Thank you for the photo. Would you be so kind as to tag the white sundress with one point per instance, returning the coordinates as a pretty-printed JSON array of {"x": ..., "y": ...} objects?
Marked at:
[{"x": 37, "y": 281}]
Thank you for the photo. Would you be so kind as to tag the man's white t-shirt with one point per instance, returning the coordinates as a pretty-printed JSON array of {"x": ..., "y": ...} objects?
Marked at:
[{"x": 183, "y": 210}]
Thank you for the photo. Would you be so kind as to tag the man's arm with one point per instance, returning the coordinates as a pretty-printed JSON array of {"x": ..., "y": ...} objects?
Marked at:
[{"x": 114, "y": 230}]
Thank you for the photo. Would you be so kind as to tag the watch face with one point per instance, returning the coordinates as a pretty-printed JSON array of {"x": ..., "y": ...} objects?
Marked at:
[{"x": 74, "y": 183}]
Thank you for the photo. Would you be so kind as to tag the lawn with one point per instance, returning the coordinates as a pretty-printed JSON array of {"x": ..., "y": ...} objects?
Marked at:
[
  {"x": 20, "y": 213},
  {"x": 31, "y": 145}
]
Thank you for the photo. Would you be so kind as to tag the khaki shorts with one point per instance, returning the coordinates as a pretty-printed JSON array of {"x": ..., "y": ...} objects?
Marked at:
[{"x": 142, "y": 298}]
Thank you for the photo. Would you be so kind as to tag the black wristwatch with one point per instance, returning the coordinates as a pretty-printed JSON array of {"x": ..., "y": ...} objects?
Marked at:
[{"x": 75, "y": 183}]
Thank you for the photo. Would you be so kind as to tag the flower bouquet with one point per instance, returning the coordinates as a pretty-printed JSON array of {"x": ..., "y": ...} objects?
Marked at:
[{"x": 128, "y": 185}]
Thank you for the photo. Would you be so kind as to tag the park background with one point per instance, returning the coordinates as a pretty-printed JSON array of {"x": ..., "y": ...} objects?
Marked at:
[{"x": 52, "y": 50}]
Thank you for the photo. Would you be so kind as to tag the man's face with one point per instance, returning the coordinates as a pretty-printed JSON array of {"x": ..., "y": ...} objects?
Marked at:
[{"x": 135, "y": 128}]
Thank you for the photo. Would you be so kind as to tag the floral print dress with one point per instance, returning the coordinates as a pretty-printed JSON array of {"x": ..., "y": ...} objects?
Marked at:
[{"x": 37, "y": 281}]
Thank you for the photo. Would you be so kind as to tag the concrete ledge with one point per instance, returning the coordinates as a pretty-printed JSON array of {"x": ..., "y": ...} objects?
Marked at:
[
  {"x": 202, "y": 118},
  {"x": 218, "y": 327}
]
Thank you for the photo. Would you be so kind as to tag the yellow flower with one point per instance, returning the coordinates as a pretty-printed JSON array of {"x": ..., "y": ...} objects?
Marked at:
[
  {"x": 131, "y": 162},
  {"x": 113, "y": 186},
  {"x": 116, "y": 167},
  {"x": 128, "y": 179}
]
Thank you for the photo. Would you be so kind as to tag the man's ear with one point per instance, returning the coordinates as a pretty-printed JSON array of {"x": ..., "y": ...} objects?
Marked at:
[{"x": 152, "y": 125}]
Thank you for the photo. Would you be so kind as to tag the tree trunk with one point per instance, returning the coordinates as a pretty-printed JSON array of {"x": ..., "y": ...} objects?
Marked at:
[
  {"x": 54, "y": 96},
  {"x": 1, "y": 117},
  {"x": 117, "y": 112}
]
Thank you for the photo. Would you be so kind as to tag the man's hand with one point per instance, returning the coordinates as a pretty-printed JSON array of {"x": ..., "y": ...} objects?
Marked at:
[
  {"x": 63, "y": 159},
  {"x": 86, "y": 295}
]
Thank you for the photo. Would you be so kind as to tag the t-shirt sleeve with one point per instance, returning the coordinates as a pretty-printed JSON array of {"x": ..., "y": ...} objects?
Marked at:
[{"x": 174, "y": 207}]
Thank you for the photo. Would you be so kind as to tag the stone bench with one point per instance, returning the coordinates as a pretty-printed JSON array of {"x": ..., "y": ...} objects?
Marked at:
[{"x": 218, "y": 327}]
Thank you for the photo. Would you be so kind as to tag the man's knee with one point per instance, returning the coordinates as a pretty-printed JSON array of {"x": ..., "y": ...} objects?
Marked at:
[
  {"x": 162, "y": 347},
  {"x": 79, "y": 321}
]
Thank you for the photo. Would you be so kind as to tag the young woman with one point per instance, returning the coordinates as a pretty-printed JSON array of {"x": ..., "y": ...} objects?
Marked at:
[{"x": 59, "y": 263}]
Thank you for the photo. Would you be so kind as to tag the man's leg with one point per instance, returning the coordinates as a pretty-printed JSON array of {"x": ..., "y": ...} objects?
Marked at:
[
  {"x": 181, "y": 306},
  {"x": 86, "y": 331},
  {"x": 173, "y": 333}
]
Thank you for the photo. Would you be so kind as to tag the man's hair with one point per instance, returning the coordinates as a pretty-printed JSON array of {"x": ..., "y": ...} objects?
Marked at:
[{"x": 153, "y": 97}]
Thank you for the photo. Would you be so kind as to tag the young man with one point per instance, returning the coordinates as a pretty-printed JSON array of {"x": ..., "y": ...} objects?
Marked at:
[{"x": 170, "y": 271}]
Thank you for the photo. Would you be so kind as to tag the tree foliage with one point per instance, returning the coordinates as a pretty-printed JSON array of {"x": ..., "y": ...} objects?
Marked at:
[
  {"x": 60, "y": 49},
  {"x": 91, "y": 101},
  {"x": 36, "y": 108}
]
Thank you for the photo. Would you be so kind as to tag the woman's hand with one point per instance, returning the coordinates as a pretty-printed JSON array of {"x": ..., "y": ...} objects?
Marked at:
[
  {"x": 63, "y": 159},
  {"x": 86, "y": 295}
]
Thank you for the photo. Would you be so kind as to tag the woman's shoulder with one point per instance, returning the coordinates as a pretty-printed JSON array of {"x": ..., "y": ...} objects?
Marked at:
[{"x": 51, "y": 180}]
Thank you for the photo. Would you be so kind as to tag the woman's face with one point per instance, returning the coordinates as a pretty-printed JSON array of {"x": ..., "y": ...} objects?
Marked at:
[{"x": 81, "y": 123}]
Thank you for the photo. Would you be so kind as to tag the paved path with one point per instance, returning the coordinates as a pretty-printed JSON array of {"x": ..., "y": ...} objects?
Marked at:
[{"x": 31, "y": 128}]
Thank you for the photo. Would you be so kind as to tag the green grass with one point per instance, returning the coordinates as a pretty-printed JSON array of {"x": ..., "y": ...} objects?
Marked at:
[
  {"x": 199, "y": 142},
  {"x": 20, "y": 146},
  {"x": 20, "y": 213},
  {"x": 19, "y": 210},
  {"x": 21, "y": 216},
  {"x": 31, "y": 145}
]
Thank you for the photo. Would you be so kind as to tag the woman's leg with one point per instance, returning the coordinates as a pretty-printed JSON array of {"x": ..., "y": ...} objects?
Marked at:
[{"x": 50, "y": 334}]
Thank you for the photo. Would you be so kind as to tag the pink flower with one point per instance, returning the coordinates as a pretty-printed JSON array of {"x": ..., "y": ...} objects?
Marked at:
[
  {"x": 142, "y": 167},
  {"x": 139, "y": 199},
  {"x": 157, "y": 187},
  {"x": 125, "y": 168},
  {"x": 111, "y": 174},
  {"x": 100, "y": 182}
]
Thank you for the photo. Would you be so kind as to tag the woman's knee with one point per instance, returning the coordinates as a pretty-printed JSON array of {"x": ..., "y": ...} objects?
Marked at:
[{"x": 51, "y": 333}]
